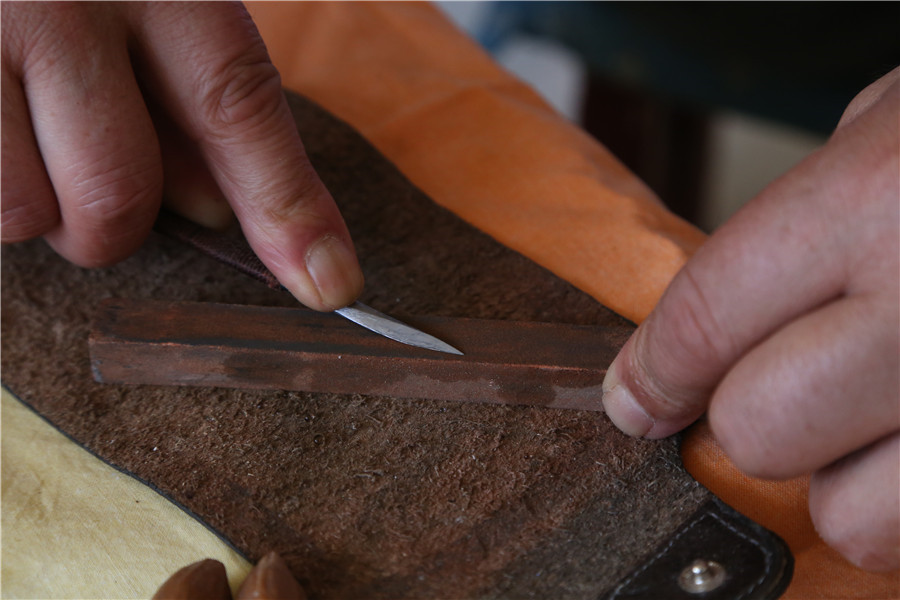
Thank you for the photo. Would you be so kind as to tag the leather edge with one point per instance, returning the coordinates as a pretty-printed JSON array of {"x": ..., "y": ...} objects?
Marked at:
[{"x": 758, "y": 564}]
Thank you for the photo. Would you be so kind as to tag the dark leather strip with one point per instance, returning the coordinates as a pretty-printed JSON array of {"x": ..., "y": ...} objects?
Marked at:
[
  {"x": 717, "y": 554},
  {"x": 228, "y": 247}
]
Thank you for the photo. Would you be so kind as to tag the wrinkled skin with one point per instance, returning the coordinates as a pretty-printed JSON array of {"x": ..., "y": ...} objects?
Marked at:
[
  {"x": 785, "y": 327},
  {"x": 109, "y": 107}
]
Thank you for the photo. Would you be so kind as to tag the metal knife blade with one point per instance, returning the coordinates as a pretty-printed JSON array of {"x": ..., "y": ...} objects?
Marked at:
[{"x": 390, "y": 327}]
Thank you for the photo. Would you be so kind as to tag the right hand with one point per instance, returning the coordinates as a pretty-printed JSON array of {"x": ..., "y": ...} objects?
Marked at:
[{"x": 109, "y": 106}]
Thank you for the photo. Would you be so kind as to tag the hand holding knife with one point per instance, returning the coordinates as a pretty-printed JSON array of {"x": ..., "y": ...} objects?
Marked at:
[{"x": 234, "y": 251}]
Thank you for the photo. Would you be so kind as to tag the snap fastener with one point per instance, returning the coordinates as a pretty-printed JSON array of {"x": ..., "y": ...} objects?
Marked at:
[{"x": 701, "y": 576}]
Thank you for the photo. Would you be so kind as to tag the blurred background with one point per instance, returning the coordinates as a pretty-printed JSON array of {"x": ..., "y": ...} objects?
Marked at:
[{"x": 706, "y": 102}]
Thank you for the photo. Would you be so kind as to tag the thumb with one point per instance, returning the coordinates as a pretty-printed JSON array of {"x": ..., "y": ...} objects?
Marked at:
[
  {"x": 820, "y": 233},
  {"x": 664, "y": 376},
  {"x": 771, "y": 263},
  {"x": 745, "y": 283}
]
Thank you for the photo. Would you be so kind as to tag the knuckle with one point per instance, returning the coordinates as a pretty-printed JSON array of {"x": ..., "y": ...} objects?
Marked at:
[
  {"x": 36, "y": 35},
  {"x": 297, "y": 199},
  {"x": 696, "y": 332},
  {"x": 680, "y": 353},
  {"x": 648, "y": 381},
  {"x": 243, "y": 94},
  {"x": 24, "y": 220},
  {"x": 111, "y": 194},
  {"x": 113, "y": 206}
]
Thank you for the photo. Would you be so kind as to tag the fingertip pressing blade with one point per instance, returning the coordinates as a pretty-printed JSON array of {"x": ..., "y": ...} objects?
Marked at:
[{"x": 390, "y": 327}]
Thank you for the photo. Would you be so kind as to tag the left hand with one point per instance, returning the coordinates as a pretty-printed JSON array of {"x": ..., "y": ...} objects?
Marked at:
[{"x": 786, "y": 326}]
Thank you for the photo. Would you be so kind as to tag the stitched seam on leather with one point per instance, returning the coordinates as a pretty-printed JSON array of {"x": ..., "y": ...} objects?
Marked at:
[
  {"x": 690, "y": 527},
  {"x": 766, "y": 555},
  {"x": 656, "y": 556}
]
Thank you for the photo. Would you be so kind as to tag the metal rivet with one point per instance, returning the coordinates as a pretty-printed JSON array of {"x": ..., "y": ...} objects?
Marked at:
[{"x": 701, "y": 576}]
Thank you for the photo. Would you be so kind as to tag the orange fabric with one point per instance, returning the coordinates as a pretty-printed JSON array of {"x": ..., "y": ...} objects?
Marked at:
[
  {"x": 481, "y": 143},
  {"x": 485, "y": 146},
  {"x": 781, "y": 506}
]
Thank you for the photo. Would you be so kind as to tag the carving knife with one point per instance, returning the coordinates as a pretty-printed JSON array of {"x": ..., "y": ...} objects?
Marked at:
[
  {"x": 233, "y": 250},
  {"x": 390, "y": 327}
]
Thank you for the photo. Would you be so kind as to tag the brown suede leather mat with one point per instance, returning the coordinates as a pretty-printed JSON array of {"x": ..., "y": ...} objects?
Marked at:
[{"x": 363, "y": 496}]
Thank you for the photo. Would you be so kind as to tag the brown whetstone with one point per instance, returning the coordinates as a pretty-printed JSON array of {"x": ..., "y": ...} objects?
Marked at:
[{"x": 238, "y": 346}]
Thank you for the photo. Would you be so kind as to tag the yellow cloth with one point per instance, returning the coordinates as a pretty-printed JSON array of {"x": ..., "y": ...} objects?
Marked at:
[
  {"x": 74, "y": 527},
  {"x": 485, "y": 146}
]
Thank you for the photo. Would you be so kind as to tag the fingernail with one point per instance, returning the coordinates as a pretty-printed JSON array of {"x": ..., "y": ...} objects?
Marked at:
[
  {"x": 621, "y": 406},
  {"x": 203, "y": 579},
  {"x": 334, "y": 271},
  {"x": 271, "y": 579}
]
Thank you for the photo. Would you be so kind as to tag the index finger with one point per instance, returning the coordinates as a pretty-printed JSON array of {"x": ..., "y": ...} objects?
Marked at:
[{"x": 210, "y": 70}]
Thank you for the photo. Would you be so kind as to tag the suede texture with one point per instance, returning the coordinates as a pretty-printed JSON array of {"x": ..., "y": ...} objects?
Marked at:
[{"x": 363, "y": 496}]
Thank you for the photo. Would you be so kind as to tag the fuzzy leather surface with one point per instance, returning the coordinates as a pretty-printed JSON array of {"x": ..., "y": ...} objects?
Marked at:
[{"x": 363, "y": 496}]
